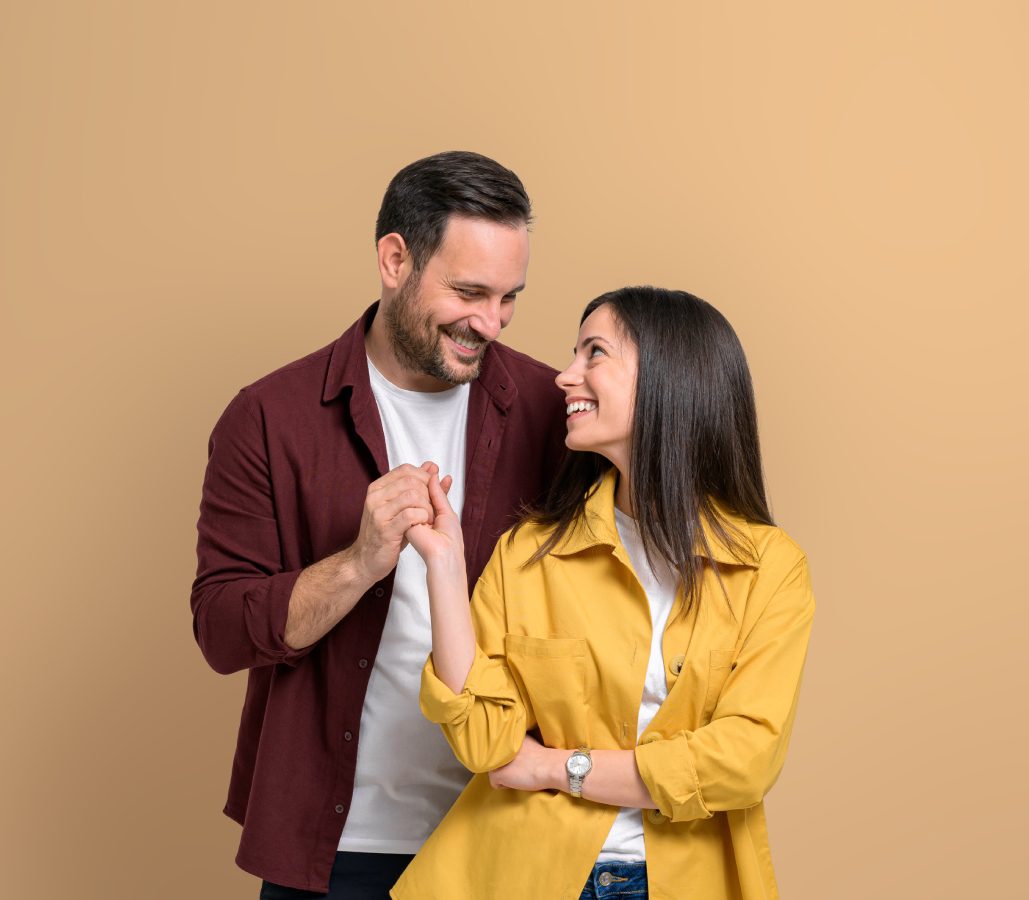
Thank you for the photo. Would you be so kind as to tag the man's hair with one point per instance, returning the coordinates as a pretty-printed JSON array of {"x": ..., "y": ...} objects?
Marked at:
[{"x": 423, "y": 196}]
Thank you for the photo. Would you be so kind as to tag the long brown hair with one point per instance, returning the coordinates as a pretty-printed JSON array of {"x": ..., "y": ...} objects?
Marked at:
[{"x": 694, "y": 437}]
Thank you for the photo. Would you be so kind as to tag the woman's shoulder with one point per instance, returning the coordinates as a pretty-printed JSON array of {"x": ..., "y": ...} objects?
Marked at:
[{"x": 775, "y": 549}]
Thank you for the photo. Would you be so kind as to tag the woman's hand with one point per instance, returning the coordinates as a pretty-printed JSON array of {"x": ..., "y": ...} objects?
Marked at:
[
  {"x": 443, "y": 538},
  {"x": 535, "y": 768}
]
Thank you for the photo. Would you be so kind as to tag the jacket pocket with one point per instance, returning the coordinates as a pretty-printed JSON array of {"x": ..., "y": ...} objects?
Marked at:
[
  {"x": 720, "y": 665},
  {"x": 552, "y": 677}
]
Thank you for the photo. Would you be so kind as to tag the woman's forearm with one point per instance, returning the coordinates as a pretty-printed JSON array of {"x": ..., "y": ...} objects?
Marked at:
[
  {"x": 453, "y": 639},
  {"x": 614, "y": 779}
]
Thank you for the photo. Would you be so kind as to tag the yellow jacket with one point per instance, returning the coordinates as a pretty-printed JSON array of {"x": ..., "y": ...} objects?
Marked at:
[{"x": 563, "y": 647}]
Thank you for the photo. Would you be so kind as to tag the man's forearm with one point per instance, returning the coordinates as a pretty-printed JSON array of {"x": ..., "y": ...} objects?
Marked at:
[{"x": 323, "y": 594}]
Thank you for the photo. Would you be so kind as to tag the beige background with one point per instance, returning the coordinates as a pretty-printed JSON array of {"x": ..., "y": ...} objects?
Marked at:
[{"x": 187, "y": 202}]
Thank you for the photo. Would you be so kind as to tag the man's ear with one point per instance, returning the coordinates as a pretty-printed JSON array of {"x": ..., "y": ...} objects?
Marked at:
[{"x": 394, "y": 260}]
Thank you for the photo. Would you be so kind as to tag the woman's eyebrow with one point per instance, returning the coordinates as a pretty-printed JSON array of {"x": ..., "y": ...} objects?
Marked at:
[{"x": 590, "y": 340}]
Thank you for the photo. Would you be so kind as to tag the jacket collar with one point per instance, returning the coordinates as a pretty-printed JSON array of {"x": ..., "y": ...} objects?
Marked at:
[
  {"x": 348, "y": 367},
  {"x": 598, "y": 528}
]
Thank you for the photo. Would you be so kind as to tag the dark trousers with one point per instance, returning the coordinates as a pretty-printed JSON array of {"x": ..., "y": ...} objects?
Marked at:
[{"x": 355, "y": 876}]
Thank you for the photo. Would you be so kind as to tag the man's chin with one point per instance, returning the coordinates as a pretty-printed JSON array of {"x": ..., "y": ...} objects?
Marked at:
[{"x": 463, "y": 369}]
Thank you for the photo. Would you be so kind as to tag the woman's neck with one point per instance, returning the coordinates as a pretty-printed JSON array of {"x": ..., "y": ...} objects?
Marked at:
[{"x": 623, "y": 495}]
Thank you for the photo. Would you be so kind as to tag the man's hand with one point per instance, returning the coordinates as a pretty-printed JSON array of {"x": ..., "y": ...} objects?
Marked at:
[
  {"x": 535, "y": 768},
  {"x": 392, "y": 505}
]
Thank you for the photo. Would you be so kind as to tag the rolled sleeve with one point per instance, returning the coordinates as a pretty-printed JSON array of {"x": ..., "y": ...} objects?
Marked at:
[
  {"x": 240, "y": 598},
  {"x": 666, "y": 767},
  {"x": 484, "y": 723},
  {"x": 487, "y": 681}
]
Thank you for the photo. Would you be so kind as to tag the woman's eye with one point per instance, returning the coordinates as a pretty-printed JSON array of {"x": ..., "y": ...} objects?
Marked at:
[{"x": 594, "y": 350}]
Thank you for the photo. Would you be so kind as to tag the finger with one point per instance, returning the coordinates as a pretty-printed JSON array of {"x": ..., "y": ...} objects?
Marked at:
[
  {"x": 413, "y": 501},
  {"x": 447, "y": 483},
  {"x": 399, "y": 490},
  {"x": 438, "y": 496},
  {"x": 402, "y": 523},
  {"x": 429, "y": 466},
  {"x": 398, "y": 474}
]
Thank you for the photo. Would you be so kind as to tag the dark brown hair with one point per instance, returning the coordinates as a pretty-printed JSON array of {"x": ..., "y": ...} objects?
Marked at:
[
  {"x": 694, "y": 438},
  {"x": 422, "y": 197}
]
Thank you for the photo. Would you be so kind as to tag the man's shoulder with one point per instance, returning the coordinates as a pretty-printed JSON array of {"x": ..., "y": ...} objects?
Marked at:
[{"x": 310, "y": 368}]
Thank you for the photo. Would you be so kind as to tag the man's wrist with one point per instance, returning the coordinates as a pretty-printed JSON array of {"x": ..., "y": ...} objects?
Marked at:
[{"x": 351, "y": 573}]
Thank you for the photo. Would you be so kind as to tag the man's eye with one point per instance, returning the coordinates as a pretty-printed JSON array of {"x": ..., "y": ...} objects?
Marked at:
[{"x": 472, "y": 294}]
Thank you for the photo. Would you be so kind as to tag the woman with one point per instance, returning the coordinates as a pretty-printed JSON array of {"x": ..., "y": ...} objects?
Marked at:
[{"x": 626, "y": 679}]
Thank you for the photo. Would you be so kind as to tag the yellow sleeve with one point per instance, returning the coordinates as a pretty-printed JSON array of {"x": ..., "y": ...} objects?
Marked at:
[
  {"x": 733, "y": 761},
  {"x": 486, "y": 722}
]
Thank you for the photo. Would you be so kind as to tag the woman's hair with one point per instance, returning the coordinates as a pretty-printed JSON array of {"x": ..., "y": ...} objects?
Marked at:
[{"x": 693, "y": 441}]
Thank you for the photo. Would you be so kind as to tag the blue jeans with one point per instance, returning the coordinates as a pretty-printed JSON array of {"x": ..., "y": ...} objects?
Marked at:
[{"x": 616, "y": 879}]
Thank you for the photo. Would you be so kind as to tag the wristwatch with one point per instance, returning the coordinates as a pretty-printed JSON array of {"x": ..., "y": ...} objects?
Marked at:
[{"x": 578, "y": 766}]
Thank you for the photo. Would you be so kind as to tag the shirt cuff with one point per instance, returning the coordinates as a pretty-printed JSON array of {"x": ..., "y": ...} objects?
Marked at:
[
  {"x": 487, "y": 680},
  {"x": 667, "y": 769}
]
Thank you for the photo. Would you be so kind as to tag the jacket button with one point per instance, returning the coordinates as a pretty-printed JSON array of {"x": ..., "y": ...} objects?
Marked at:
[
  {"x": 675, "y": 666},
  {"x": 362, "y": 663},
  {"x": 656, "y": 816},
  {"x": 339, "y": 807}
]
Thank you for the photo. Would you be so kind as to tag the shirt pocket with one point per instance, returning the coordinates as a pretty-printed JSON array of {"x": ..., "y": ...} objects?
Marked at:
[
  {"x": 552, "y": 676},
  {"x": 720, "y": 664}
]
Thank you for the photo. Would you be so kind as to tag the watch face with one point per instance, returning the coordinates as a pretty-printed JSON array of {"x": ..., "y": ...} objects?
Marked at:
[{"x": 578, "y": 764}]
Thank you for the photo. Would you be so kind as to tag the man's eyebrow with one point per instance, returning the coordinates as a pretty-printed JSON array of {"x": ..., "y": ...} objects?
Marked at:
[{"x": 478, "y": 286}]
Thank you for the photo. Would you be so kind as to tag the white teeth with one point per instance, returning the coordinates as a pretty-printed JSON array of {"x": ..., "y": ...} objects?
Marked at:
[
  {"x": 579, "y": 406},
  {"x": 472, "y": 347}
]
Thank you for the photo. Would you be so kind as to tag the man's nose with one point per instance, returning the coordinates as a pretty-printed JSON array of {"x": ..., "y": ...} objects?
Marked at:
[{"x": 486, "y": 321}]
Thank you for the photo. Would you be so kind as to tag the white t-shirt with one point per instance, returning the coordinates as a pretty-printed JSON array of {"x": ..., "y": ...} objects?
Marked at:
[
  {"x": 625, "y": 840},
  {"x": 407, "y": 776}
]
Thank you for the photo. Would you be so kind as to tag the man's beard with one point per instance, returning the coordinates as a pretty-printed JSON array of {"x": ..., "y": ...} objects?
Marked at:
[{"x": 418, "y": 344}]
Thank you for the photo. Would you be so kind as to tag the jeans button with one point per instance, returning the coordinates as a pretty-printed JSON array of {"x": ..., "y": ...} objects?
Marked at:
[{"x": 604, "y": 879}]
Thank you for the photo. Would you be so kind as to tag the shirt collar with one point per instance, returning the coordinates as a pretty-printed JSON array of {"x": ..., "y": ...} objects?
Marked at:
[
  {"x": 348, "y": 366},
  {"x": 599, "y": 528}
]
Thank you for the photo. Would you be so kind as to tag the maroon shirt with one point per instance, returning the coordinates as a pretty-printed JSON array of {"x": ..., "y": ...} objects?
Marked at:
[{"x": 290, "y": 461}]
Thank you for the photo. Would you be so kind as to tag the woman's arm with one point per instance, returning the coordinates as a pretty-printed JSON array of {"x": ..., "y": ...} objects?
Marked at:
[
  {"x": 614, "y": 778},
  {"x": 466, "y": 686},
  {"x": 441, "y": 545}
]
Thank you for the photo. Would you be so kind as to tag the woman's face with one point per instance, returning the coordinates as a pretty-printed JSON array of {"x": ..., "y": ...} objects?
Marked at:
[{"x": 600, "y": 388}]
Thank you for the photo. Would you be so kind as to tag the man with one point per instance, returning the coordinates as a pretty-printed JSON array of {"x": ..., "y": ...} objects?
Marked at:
[{"x": 304, "y": 578}]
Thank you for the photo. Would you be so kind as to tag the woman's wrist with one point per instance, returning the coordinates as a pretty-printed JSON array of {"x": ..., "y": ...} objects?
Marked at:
[{"x": 555, "y": 775}]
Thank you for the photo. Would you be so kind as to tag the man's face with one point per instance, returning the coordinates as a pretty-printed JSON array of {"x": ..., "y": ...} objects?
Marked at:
[{"x": 441, "y": 319}]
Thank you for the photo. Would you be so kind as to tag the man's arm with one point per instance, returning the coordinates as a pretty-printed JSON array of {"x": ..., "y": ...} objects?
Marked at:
[{"x": 244, "y": 604}]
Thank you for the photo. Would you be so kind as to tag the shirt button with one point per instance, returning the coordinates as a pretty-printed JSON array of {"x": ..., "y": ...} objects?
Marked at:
[
  {"x": 339, "y": 807},
  {"x": 655, "y": 816},
  {"x": 347, "y": 736},
  {"x": 379, "y": 592},
  {"x": 675, "y": 666},
  {"x": 362, "y": 663}
]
